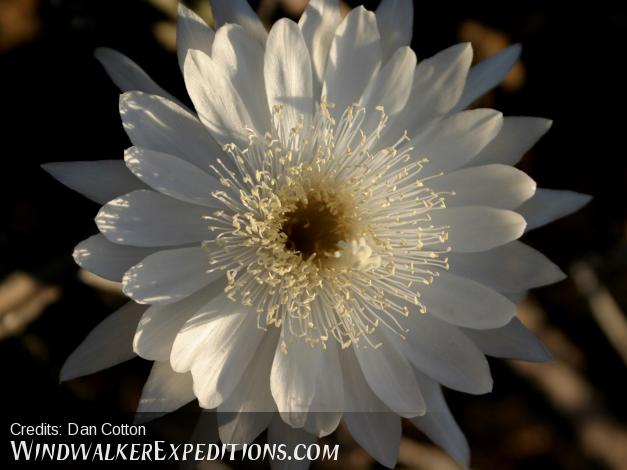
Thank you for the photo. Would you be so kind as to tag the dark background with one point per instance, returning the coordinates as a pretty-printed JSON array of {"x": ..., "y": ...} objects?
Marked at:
[{"x": 57, "y": 104}]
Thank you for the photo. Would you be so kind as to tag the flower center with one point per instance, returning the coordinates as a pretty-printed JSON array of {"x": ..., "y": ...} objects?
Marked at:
[
  {"x": 325, "y": 232},
  {"x": 316, "y": 226}
]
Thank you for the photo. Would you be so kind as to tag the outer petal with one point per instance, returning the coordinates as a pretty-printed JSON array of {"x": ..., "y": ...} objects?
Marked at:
[
  {"x": 249, "y": 409},
  {"x": 288, "y": 76},
  {"x": 445, "y": 354},
  {"x": 100, "y": 180},
  {"x": 395, "y": 19},
  {"x": 452, "y": 142},
  {"x": 206, "y": 431},
  {"x": 170, "y": 275},
  {"x": 515, "y": 138},
  {"x": 165, "y": 390},
  {"x": 281, "y": 433},
  {"x": 354, "y": 58},
  {"x": 322, "y": 423},
  {"x": 219, "y": 106},
  {"x": 109, "y": 260},
  {"x": 476, "y": 228},
  {"x": 358, "y": 396},
  {"x": 156, "y": 123},
  {"x": 191, "y": 33},
  {"x": 488, "y": 74},
  {"x": 318, "y": 24},
  {"x": 464, "y": 302},
  {"x": 392, "y": 85},
  {"x": 390, "y": 376},
  {"x": 172, "y": 176},
  {"x": 239, "y": 12},
  {"x": 328, "y": 401},
  {"x": 160, "y": 324},
  {"x": 148, "y": 218},
  {"x": 512, "y": 341},
  {"x": 439, "y": 424},
  {"x": 548, "y": 205},
  {"x": 127, "y": 75},
  {"x": 108, "y": 344},
  {"x": 498, "y": 186},
  {"x": 378, "y": 433},
  {"x": 243, "y": 427},
  {"x": 370, "y": 422},
  {"x": 437, "y": 85},
  {"x": 295, "y": 368},
  {"x": 516, "y": 297},
  {"x": 509, "y": 268},
  {"x": 217, "y": 343},
  {"x": 240, "y": 57}
]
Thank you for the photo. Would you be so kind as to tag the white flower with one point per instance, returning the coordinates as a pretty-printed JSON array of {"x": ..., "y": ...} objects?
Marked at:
[{"x": 328, "y": 231}]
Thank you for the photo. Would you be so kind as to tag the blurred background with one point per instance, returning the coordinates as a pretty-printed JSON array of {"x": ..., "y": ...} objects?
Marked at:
[{"x": 58, "y": 104}]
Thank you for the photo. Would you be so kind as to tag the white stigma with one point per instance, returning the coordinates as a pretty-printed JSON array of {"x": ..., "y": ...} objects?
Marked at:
[{"x": 357, "y": 255}]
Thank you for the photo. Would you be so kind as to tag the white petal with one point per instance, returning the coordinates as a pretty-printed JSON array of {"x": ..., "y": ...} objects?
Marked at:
[
  {"x": 240, "y": 57},
  {"x": 156, "y": 123},
  {"x": 354, "y": 57},
  {"x": 239, "y": 12},
  {"x": 318, "y": 24},
  {"x": 445, "y": 354},
  {"x": 160, "y": 324},
  {"x": 170, "y": 275},
  {"x": 488, "y": 74},
  {"x": 515, "y": 138},
  {"x": 395, "y": 19},
  {"x": 437, "y": 85},
  {"x": 109, "y": 260},
  {"x": 498, "y": 186},
  {"x": 249, "y": 409},
  {"x": 217, "y": 344},
  {"x": 391, "y": 87},
  {"x": 205, "y": 432},
  {"x": 100, "y": 180},
  {"x": 281, "y": 433},
  {"x": 165, "y": 390},
  {"x": 219, "y": 106},
  {"x": 358, "y": 396},
  {"x": 370, "y": 422},
  {"x": 127, "y": 75},
  {"x": 452, "y": 142},
  {"x": 148, "y": 218},
  {"x": 509, "y": 268},
  {"x": 288, "y": 77},
  {"x": 512, "y": 341},
  {"x": 516, "y": 297},
  {"x": 439, "y": 425},
  {"x": 476, "y": 228},
  {"x": 243, "y": 427},
  {"x": 108, "y": 344},
  {"x": 293, "y": 378},
  {"x": 464, "y": 302},
  {"x": 191, "y": 33},
  {"x": 548, "y": 205},
  {"x": 390, "y": 375},
  {"x": 252, "y": 393},
  {"x": 328, "y": 401},
  {"x": 322, "y": 423},
  {"x": 378, "y": 433},
  {"x": 172, "y": 176}
]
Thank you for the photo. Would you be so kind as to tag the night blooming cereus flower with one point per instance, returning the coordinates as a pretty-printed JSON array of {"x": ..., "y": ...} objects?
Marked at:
[{"x": 327, "y": 234}]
